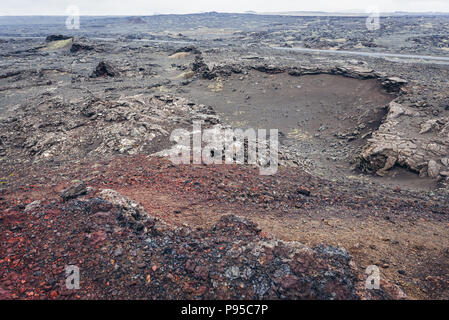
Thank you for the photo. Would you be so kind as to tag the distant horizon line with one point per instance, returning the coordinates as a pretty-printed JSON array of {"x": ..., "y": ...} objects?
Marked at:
[{"x": 292, "y": 13}]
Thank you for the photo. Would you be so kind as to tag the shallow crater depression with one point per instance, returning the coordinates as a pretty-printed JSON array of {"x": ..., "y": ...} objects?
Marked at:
[{"x": 324, "y": 119}]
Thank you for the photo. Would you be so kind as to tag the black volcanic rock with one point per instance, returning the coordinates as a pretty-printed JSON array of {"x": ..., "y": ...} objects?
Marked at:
[
  {"x": 77, "y": 47},
  {"x": 55, "y": 37},
  {"x": 104, "y": 69},
  {"x": 74, "y": 191},
  {"x": 201, "y": 69}
]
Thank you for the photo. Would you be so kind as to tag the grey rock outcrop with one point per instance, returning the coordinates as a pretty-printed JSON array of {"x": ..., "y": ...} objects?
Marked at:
[{"x": 409, "y": 139}]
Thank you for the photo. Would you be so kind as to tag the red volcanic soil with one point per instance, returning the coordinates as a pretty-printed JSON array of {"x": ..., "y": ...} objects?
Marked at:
[{"x": 405, "y": 236}]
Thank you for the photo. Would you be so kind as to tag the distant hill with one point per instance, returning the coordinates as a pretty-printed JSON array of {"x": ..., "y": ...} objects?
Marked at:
[
  {"x": 350, "y": 13},
  {"x": 141, "y": 19}
]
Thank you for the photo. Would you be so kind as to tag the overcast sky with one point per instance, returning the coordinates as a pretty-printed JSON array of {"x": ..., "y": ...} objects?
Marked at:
[{"x": 148, "y": 7}]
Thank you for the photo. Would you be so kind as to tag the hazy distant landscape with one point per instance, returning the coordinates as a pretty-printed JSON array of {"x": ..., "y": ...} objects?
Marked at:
[{"x": 362, "y": 166}]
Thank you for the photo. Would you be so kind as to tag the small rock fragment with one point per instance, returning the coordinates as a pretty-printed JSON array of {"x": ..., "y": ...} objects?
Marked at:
[
  {"x": 32, "y": 206},
  {"x": 74, "y": 191},
  {"x": 433, "y": 169},
  {"x": 104, "y": 69}
]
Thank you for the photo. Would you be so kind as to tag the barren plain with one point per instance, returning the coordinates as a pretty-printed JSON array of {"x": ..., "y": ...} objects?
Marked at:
[{"x": 86, "y": 117}]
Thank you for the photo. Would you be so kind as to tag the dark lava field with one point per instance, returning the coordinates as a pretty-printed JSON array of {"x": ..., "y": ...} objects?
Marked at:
[{"x": 362, "y": 179}]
